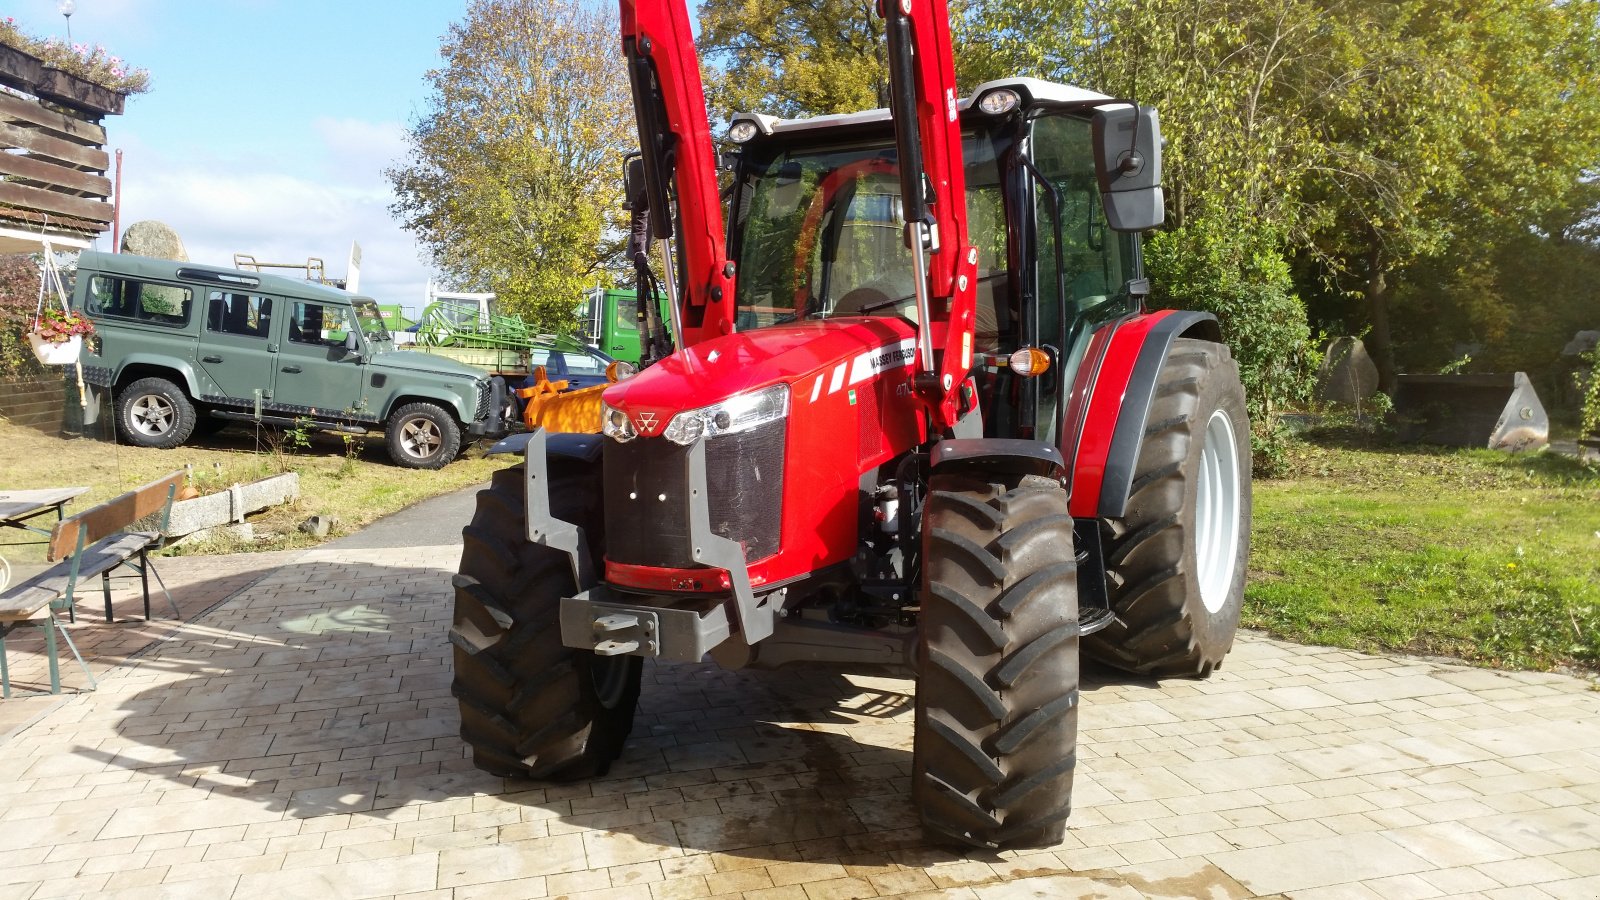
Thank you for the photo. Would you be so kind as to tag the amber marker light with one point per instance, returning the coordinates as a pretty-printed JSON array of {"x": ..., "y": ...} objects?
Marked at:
[{"x": 1030, "y": 361}]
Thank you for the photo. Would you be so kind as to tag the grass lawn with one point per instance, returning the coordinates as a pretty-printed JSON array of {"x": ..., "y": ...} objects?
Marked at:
[
  {"x": 356, "y": 486},
  {"x": 1489, "y": 557}
]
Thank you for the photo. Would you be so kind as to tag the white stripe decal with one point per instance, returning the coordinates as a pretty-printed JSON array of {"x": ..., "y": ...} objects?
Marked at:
[
  {"x": 838, "y": 379},
  {"x": 816, "y": 389}
]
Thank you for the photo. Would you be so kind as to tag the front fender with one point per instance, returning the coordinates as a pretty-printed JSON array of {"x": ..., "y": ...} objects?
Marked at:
[
  {"x": 1111, "y": 399},
  {"x": 447, "y": 399}
]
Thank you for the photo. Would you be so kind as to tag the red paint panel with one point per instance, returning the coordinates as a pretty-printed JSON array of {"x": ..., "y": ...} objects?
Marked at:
[
  {"x": 657, "y": 579},
  {"x": 1126, "y": 339}
]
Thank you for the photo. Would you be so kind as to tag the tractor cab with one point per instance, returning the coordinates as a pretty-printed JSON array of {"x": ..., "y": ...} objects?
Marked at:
[{"x": 815, "y": 227}]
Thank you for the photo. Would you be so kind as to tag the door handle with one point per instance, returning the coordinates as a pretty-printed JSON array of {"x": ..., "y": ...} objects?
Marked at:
[
  {"x": 292, "y": 370},
  {"x": 211, "y": 359},
  {"x": 616, "y": 346}
]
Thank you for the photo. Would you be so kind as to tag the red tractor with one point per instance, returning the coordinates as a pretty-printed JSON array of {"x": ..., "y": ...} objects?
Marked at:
[{"x": 917, "y": 414}]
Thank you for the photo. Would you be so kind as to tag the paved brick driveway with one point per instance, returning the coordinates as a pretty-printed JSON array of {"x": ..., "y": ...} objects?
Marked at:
[{"x": 299, "y": 740}]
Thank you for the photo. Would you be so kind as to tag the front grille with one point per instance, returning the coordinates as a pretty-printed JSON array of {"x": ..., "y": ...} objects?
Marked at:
[
  {"x": 647, "y": 496},
  {"x": 483, "y": 401}
]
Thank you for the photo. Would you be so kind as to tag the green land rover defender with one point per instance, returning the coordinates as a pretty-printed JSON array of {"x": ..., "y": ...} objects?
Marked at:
[{"x": 185, "y": 348}]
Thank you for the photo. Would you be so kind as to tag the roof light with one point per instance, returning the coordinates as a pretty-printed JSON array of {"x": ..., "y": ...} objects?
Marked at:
[
  {"x": 741, "y": 131},
  {"x": 998, "y": 102},
  {"x": 1030, "y": 361}
]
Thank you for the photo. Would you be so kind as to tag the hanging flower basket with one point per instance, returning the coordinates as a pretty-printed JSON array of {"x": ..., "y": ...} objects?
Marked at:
[
  {"x": 57, "y": 336},
  {"x": 56, "y": 353}
]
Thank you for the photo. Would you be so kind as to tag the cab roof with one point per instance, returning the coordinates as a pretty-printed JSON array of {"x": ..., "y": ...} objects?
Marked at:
[{"x": 1032, "y": 90}]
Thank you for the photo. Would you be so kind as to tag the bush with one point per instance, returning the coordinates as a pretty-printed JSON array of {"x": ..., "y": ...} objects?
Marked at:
[
  {"x": 19, "y": 297},
  {"x": 1244, "y": 281}
]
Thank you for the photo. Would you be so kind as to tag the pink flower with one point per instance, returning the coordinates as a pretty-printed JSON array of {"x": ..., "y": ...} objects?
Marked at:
[{"x": 116, "y": 72}]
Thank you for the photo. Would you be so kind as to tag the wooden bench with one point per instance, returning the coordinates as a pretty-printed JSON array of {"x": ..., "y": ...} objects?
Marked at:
[{"x": 93, "y": 542}]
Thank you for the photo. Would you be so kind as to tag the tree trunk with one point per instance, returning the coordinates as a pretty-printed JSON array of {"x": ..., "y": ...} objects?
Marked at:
[{"x": 1380, "y": 343}]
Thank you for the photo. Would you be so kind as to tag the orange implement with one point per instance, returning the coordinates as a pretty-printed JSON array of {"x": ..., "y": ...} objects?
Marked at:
[{"x": 550, "y": 405}]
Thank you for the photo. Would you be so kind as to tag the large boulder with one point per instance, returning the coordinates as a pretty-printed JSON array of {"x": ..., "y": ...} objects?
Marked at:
[
  {"x": 1347, "y": 374},
  {"x": 152, "y": 238}
]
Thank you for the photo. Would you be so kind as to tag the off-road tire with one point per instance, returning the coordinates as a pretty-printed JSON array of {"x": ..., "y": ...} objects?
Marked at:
[
  {"x": 530, "y": 706},
  {"x": 154, "y": 412},
  {"x": 1154, "y": 554},
  {"x": 997, "y": 663},
  {"x": 422, "y": 436}
]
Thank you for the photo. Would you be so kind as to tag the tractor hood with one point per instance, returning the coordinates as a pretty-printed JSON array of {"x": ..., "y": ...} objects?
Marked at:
[{"x": 714, "y": 370}]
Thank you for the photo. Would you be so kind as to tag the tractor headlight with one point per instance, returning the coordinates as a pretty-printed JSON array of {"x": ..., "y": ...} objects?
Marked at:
[
  {"x": 741, "y": 131},
  {"x": 741, "y": 412},
  {"x": 614, "y": 423}
]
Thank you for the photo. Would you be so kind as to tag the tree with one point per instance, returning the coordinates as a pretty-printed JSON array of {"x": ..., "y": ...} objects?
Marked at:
[
  {"x": 513, "y": 182},
  {"x": 793, "y": 59},
  {"x": 1473, "y": 123}
]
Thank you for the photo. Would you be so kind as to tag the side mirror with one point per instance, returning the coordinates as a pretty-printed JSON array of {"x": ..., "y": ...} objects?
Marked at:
[
  {"x": 1127, "y": 157},
  {"x": 633, "y": 190},
  {"x": 350, "y": 343}
]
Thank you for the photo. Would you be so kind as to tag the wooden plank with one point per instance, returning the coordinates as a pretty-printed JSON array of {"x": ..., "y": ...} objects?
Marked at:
[
  {"x": 112, "y": 516},
  {"x": 42, "y": 170},
  {"x": 25, "y": 599},
  {"x": 13, "y": 194},
  {"x": 36, "y": 141},
  {"x": 16, "y": 109},
  {"x": 54, "y": 223}
]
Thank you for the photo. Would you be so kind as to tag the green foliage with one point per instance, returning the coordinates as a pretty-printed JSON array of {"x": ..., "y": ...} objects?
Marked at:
[
  {"x": 19, "y": 297},
  {"x": 1589, "y": 384},
  {"x": 513, "y": 183},
  {"x": 790, "y": 59},
  {"x": 95, "y": 64}
]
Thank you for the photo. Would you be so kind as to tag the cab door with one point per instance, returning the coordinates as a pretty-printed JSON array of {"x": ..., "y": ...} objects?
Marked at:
[
  {"x": 237, "y": 347},
  {"x": 316, "y": 375}
]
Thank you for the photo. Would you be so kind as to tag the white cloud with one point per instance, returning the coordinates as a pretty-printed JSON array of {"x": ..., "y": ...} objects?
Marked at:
[{"x": 287, "y": 215}]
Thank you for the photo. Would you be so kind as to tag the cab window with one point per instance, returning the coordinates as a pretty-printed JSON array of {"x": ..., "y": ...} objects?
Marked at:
[
  {"x": 248, "y": 315},
  {"x": 319, "y": 324},
  {"x": 138, "y": 301}
]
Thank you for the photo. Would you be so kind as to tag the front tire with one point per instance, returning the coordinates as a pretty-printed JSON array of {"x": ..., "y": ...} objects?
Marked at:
[
  {"x": 422, "y": 436},
  {"x": 154, "y": 412},
  {"x": 532, "y": 707},
  {"x": 1176, "y": 562},
  {"x": 996, "y": 734}
]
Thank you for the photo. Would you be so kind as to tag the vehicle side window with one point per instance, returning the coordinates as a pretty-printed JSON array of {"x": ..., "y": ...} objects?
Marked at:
[
  {"x": 318, "y": 324},
  {"x": 249, "y": 315},
  {"x": 139, "y": 301},
  {"x": 583, "y": 364}
]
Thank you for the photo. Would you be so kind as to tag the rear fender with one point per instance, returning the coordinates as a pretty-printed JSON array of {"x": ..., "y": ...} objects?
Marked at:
[
  {"x": 141, "y": 365},
  {"x": 1111, "y": 398}
]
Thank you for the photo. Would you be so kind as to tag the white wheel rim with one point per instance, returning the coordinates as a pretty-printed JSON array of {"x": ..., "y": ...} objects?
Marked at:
[
  {"x": 420, "y": 438},
  {"x": 151, "y": 415},
  {"x": 1217, "y": 509}
]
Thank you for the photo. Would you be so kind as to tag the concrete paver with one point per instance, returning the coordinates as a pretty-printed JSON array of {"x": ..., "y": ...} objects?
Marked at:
[{"x": 300, "y": 739}]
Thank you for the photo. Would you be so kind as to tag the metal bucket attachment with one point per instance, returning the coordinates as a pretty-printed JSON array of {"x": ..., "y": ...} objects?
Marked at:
[{"x": 1500, "y": 411}]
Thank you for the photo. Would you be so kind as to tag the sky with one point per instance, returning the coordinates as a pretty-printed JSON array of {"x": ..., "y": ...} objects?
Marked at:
[{"x": 268, "y": 124}]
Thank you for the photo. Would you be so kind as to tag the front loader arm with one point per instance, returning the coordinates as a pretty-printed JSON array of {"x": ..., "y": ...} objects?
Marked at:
[
  {"x": 922, "y": 91},
  {"x": 680, "y": 167}
]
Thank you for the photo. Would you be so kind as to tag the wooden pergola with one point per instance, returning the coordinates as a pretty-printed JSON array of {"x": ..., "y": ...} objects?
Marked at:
[{"x": 53, "y": 162}]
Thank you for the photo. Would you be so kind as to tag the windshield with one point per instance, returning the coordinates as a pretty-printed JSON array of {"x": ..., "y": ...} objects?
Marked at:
[
  {"x": 371, "y": 320},
  {"x": 822, "y": 235}
]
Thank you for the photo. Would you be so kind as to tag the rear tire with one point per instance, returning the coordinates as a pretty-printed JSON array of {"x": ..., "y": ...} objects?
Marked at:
[
  {"x": 1176, "y": 562},
  {"x": 154, "y": 412},
  {"x": 996, "y": 734},
  {"x": 530, "y": 706}
]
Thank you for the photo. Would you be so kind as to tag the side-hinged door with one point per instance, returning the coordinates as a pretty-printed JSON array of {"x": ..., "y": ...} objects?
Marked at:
[
  {"x": 238, "y": 348},
  {"x": 1084, "y": 271},
  {"x": 317, "y": 374}
]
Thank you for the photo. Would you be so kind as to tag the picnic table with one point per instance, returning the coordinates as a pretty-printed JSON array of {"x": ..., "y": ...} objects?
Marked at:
[{"x": 17, "y": 508}]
